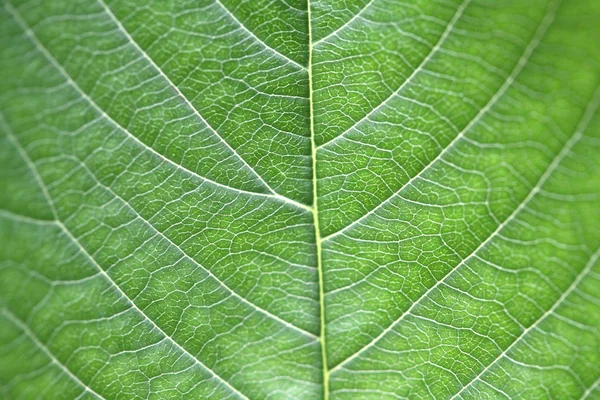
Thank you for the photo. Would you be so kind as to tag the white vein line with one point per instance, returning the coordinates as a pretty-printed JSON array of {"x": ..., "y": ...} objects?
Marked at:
[
  {"x": 25, "y": 218},
  {"x": 249, "y": 32},
  {"x": 556, "y": 304},
  {"x": 591, "y": 389},
  {"x": 129, "y": 300},
  {"x": 235, "y": 294},
  {"x": 350, "y": 21},
  {"x": 419, "y": 68},
  {"x": 40, "y": 46},
  {"x": 538, "y": 36},
  {"x": 551, "y": 167},
  {"x": 181, "y": 95},
  {"x": 15, "y": 320},
  {"x": 208, "y": 271},
  {"x": 68, "y": 233}
]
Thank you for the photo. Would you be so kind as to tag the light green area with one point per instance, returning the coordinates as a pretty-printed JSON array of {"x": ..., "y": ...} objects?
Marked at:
[{"x": 269, "y": 199}]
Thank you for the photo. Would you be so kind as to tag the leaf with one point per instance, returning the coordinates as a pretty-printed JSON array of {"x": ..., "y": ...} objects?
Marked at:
[{"x": 363, "y": 199}]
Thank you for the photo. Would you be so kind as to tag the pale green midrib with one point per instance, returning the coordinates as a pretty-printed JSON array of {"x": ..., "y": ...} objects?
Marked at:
[
  {"x": 272, "y": 194},
  {"x": 62, "y": 71},
  {"x": 540, "y": 32},
  {"x": 315, "y": 216},
  {"x": 253, "y": 170},
  {"x": 315, "y": 213},
  {"x": 29, "y": 32}
]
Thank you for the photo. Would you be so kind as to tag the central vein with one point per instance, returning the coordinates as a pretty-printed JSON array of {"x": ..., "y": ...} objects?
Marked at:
[{"x": 315, "y": 212}]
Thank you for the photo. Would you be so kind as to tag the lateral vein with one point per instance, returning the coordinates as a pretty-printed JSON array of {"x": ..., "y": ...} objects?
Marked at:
[
  {"x": 179, "y": 93},
  {"x": 87, "y": 255},
  {"x": 28, "y": 332},
  {"x": 535, "y": 190},
  {"x": 530, "y": 48},
  {"x": 591, "y": 262},
  {"x": 42, "y": 48},
  {"x": 249, "y": 32},
  {"x": 418, "y": 69}
]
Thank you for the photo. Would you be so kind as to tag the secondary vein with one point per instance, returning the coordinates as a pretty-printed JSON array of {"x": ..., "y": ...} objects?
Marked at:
[
  {"x": 180, "y": 94},
  {"x": 43, "y": 186}
]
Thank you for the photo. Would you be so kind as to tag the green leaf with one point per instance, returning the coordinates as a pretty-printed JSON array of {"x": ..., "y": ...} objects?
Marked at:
[{"x": 269, "y": 199}]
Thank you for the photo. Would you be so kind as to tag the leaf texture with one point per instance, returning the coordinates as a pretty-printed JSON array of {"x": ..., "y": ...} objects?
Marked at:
[{"x": 275, "y": 199}]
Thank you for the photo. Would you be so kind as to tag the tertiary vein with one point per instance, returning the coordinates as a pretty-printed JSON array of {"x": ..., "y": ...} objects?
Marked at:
[
  {"x": 102, "y": 271},
  {"x": 566, "y": 149}
]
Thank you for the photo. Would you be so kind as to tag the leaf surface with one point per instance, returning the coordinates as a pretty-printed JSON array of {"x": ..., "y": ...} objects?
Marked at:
[{"x": 354, "y": 199}]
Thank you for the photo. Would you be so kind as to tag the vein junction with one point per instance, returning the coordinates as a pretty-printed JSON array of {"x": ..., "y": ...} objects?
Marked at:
[{"x": 159, "y": 161}]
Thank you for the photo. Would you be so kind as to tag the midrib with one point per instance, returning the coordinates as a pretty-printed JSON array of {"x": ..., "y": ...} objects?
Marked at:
[{"x": 315, "y": 213}]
